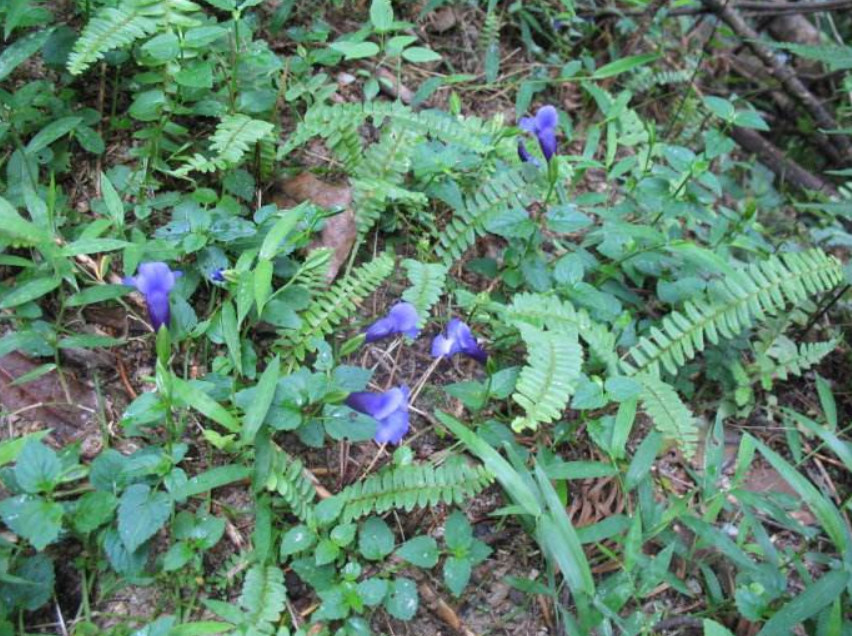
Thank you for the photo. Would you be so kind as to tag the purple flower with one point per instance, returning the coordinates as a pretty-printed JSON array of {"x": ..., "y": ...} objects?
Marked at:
[
  {"x": 459, "y": 339},
  {"x": 155, "y": 281},
  {"x": 389, "y": 409},
  {"x": 217, "y": 275},
  {"x": 543, "y": 126},
  {"x": 525, "y": 155},
  {"x": 402, "y": 318}
]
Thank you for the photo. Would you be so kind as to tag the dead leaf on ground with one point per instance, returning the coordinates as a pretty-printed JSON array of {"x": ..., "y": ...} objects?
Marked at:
[
  {"x": 339, "y": 232},
  {"x": 43, "y": 400}
]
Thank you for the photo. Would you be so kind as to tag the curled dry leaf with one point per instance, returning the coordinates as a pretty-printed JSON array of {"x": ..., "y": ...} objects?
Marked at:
[{"x": 339, "y": 232}]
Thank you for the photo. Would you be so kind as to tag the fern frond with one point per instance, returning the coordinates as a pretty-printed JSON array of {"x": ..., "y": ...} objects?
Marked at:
[
  {"x": 502, "y": 192},
  {"x": 311, "y": 273},
  {"x": 378, "y": 176},
  {"x": 287, "y": 478},
  {"x": 265, "y": 159},
  {"x": 739, "y": 300},
  {"x": 547, "y": 381},
  {"x": 119, "y": 27},
  {"x": 263, "y": 595},
  {"x": 328, "y": 310},
  {"x": 414, "y": 486},
  {"x": 235, "y": 135},
  {"x": 668, "y": 412},
  {"x": 796, "y": 362},
  {"x": 548, "y": 311},
  {"x": 427, "y": 285}
]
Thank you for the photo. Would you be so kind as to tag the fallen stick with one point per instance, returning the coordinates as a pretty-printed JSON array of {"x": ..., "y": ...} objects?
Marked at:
[
  {"x": 786, "y": 169},
  {"x": 783, "y": 73}
]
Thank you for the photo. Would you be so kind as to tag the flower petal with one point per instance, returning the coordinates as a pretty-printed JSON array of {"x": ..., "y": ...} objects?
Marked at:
[
  {"x": 158, "y": 308},
  {"x": 528, "y": 124},
  {"x": 404, "y": 316},
  {"x": 546, "y": 117},
  {"x": 547, "y": 141},
  {"x": 155, "y": 277},
  {"x": 377, "y": 405},
  {"x": 525, "y": 155},
  {"x": 393, "y": 428},
  {"x": 382, "y": 328},
  {"x": 442, "y": 346}
]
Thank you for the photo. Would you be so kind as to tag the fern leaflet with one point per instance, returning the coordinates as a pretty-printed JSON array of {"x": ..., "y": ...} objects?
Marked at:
[
  {"x": 413, "y": 486},
  {"x": 287, "y": 478},
  {"x": 329, "y": 309},
  {"x": 427, "y": 285},
  {"x": 751, "y": 293},
  {"x": 794, "y": 360},
  {"x": 263, "y": 595},
  {"x": 668, "y": 412},
  {"x": 234, "y": 137},
  {"x": 547, "y": 381}
]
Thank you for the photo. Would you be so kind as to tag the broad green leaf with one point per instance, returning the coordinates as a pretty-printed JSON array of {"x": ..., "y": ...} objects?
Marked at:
[
  {"x": 53, "y": 131},
  {"x": 201, "y": 628},
  {"x": 271, "y": 245},
  {"x": 402, "y": 600},
  {"x": 141, "y": 513},
  {"x": 231, "y": 333},
  {"x": 456, "y": 574},
  {"x": 15, "y": 228},
  {"x": 381, "y": 15},
  {"x": 580, "y": 470},
  {"x": 210, "y": 480},
  {"x": 419, "y": 551},
  {"x": 96, "y": 294},
  {"x": 33, "y": 518},
  {"x": 812, "y": 599},
  {"x": 375, "y": 540},
  {"x": 458, "y": 534},
  {"x": 88, "y": 341},
  {"x": 29, "y": 291},
  {"x": 15, "y": 54},
  {"x": 93, "y": 510},
  {"x": 624, "y": 64},
  {"x": 11, "y": 448},
  {"x": 262, "y": 283},
  {"x": 197, "y": 399},
  {"x": 93, "y": 246},
  {"x": 112, "y": 201},
  {"x": 297, "y": 539},
  {"x": 263, "y": 397},
  {"x": 420, "y": 55},
  {"x": 356, "y": 50},
  {"x": 38, "y": 468},
  {"x": 712, "y": 628}
]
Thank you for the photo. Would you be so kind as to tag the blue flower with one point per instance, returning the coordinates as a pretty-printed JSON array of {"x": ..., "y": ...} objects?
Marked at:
[
  {"x": 155, "y": 281},
  {"x": 525, "y": 155},
  {"x": 217, "y": 275},
  {"x": 459, "y": 339},
  {"x": 389, "y": 409},
  {"x": 402, "y": 318},
  {"x": 543, "y": 126}
]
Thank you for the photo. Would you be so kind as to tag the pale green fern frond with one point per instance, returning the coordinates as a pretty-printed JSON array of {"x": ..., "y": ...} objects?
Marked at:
[
  {"x": 263, "y": 596},
  {"x": 235, "y": 135},
  {"x": 118, "y": 27},
  {"x": 668, "y": 412},
  {"x": 545, "y": 384},
  {"x": 328, "y": 310},
  {"x": 427, "y": 285},
  {"x": 738, "y": 301},
  {"x": 413, "y": 486},
  {"x": 287, "y": 478},
  {"x": 502, "y": 192},
  {"x": 795, "y": 361}
]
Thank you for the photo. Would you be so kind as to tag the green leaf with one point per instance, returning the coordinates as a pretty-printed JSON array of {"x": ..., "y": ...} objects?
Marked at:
[
  {"x": 403, "y": 601},
  {"x": 420, "y": 54},
  {"x": 15, "y": 54},
  {"x": 33, "y": 518},
  {"x": 177, "y": 556},
  {"x": 271, "y": 245},
  {"x": 372, "y": 591},
  {"x": 93, "y": 510},
  {"x": 580, "y": 470},
  {"x": 29, "y": 291},
  {"x": 262, "y": 279},
  {"x": 88, "y": 341},
  {"x": 200, "y": 628},
  {"x": 375, "y": 541},
  {"x": 11, "y": 448},
  {"x": 210, "y": 480},
  {"x": 141, "y": 513},
  {"x": 327, "y": 552},
  {"x": 263, "y": 397},
  {"x": 355, "y": 50},
  {"x": 112, "y": 201},
  {"x": 812, "y": 599},
  {"x": 38, "y": 468},
  {"x": 297, "y": 539},
  {"x": 231, "y": 333},
  {"x": 419, "y": 551},
  {"x": 195, "y": 398},
  {"x": 381, "y": 15},
  {"x": 458, "y": 534},
  {"x": 624, "y": 64},
  {"x": 96, "y": 294},
  {"x": 50, "y": 133},
  {"x": 712, "y": 628},
  {"x": 456, "y": 574},
  {"x": 15, "y": 228}
]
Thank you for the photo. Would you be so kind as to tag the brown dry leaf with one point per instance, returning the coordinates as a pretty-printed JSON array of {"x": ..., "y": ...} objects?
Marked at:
[
  {"x": 339, "y": 232},
  {"x": 43, "y": 401}
]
